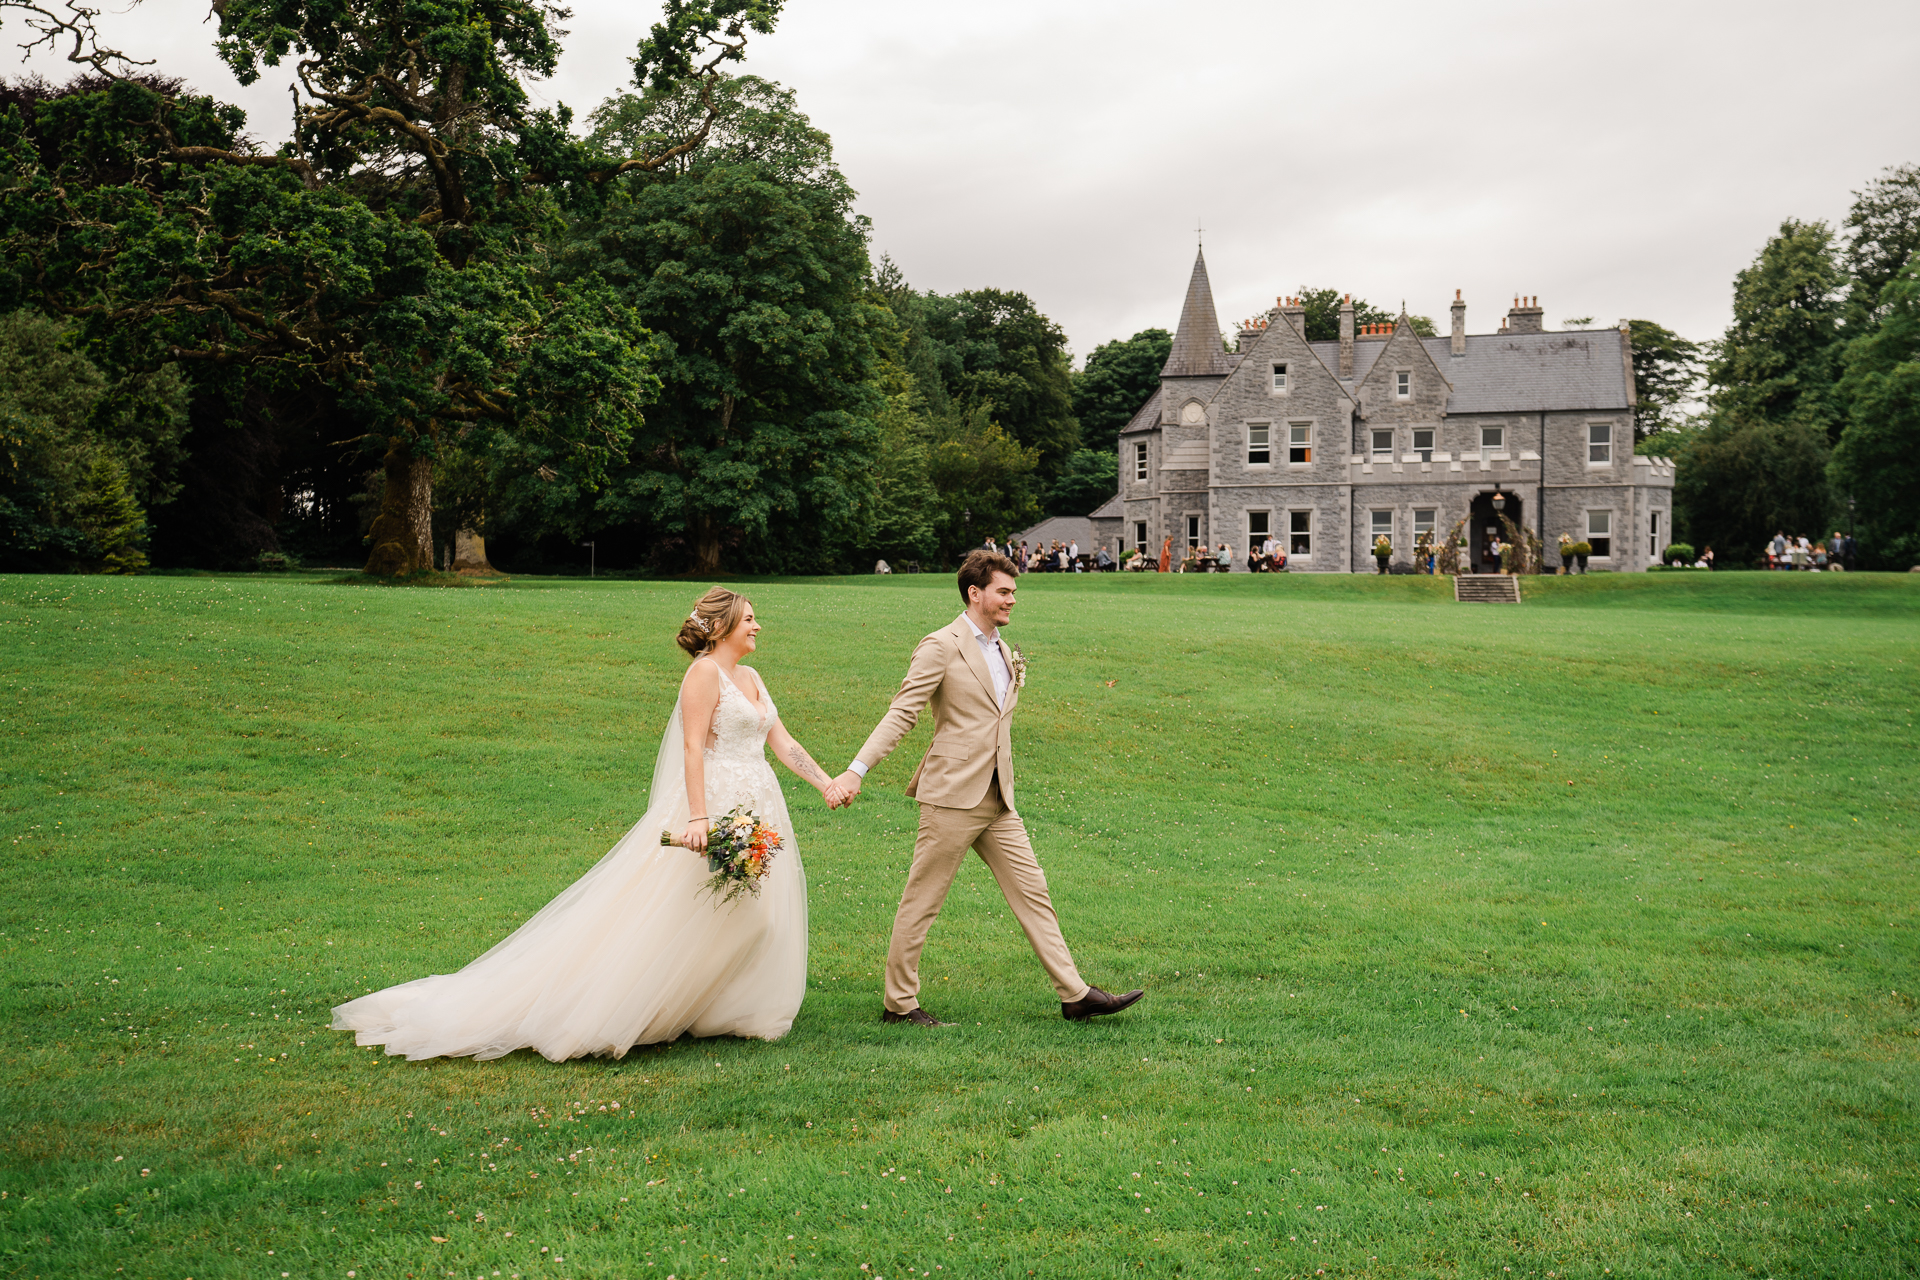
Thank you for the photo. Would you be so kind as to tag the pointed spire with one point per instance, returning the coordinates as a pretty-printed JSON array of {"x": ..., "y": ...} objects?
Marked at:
[{"x": 1196, "y": 343}]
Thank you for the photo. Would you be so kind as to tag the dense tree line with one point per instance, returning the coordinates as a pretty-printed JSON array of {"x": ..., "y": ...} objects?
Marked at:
[
  {"x": 1812, "y": 401},
  {"x": 438, "y": 308}
]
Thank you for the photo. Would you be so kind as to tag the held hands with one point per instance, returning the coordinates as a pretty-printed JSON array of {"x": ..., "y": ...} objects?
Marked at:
[{"x": 841, "y": 791}]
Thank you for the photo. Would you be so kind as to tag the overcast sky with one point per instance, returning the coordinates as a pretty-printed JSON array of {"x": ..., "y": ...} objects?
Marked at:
[{"x": 1619, "y": 159}]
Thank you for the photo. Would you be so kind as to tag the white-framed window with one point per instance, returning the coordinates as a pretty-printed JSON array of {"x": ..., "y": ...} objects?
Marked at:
[
  {"x": 1423, "y": 443},
  {"x": 1259, "y": 528},
  {"x": 1382, "y": 527},
  {"x": 1299, "y": 533},
  {"x": 1653, "y": 535},
  {"x": 1279, "y": 379},
  {"x": 1139, "y": 459},
  {"x": 1259, "y": 443},
  {"x": 1600, "y": 533},
  {"x": 1403, "y": 384},
  {"x": 1193, "y": 533},
  {"x": 1140, "y": 536},
  {"x": 1493, "y": 438},
  {"x": 1423, "y": 519},
  {"x": 1600, "y": 444},
  {"x": 1300, "y": 442},
  {"x": 1383, "y": 446}
]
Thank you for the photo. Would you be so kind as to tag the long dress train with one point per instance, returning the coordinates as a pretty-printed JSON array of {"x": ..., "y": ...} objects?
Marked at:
[{"x": 634, "y": 951}]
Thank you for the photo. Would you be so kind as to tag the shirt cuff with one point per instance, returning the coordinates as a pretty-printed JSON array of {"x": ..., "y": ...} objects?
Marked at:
[{"x": 858, "y": 768}]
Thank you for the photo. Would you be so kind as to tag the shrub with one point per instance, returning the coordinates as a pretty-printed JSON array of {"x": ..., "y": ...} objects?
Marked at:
[{"x": 1681, "y": 551}]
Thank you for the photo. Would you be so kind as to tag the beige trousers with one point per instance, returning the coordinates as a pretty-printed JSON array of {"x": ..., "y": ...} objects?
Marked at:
[{"x": 996, "y": 833}]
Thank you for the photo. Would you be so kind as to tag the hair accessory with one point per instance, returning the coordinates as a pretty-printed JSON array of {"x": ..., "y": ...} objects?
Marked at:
[{"x": 699, "y": 622}]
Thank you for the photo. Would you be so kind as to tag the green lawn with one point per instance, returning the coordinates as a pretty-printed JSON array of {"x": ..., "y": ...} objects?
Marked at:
[{"x": 1568, "y": 939}]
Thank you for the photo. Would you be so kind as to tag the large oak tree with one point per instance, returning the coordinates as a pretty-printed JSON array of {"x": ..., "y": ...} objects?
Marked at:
[{"x": 397, "y": 250}]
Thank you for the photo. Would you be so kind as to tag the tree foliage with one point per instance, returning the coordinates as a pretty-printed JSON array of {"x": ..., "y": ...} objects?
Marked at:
[
  {"x": 1088, "y": 480},
  {"x": 396, "y": 251},
  {"x": 1741, "y": 481},
  {"x": 1118, "y": 378},
  {"x": 1779, "y": 359},
  {"x": 993, "y": 349},
  {"x": 71, "y": 438},
  {"x": 1883, "y": 234},
  {"x": 1877, "y": 462},
  {"x": 1666, "y": 375},
  {"x": 752, "y": 268}
]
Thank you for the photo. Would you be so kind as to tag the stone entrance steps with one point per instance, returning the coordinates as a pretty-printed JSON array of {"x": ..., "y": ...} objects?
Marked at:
[{"x": 1486, "y": 588}]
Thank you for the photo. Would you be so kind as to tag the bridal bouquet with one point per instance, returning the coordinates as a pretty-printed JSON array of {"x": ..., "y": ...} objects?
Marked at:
[{"x": 740, "y": 851}]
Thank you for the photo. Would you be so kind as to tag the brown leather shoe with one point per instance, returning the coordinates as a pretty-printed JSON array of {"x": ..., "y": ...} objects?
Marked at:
[
  {"x": 1097, "y": 1002},
  {"x": 918, "y": 1017}
]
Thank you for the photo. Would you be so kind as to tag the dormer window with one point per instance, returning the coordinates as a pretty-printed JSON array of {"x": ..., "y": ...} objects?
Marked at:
[
  {"x": 1403, "y": 385},
  {"x": 1279, "y": 379}
]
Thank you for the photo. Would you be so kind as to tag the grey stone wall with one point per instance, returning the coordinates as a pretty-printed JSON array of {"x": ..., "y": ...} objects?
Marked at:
[
  {"x": 1313, "y": 399},
  {"x": 1542, "y": 458}
]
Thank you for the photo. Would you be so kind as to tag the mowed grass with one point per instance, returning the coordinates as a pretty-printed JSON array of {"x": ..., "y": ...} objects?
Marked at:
[{"x": 1568, "y": 939}]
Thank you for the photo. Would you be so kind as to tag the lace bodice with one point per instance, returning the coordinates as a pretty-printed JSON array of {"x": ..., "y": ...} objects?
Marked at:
[{"x": 736, "y": 752}]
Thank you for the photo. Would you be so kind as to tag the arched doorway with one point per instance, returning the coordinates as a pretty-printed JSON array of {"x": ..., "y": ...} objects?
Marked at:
[{"x": 1484, "y": 523}]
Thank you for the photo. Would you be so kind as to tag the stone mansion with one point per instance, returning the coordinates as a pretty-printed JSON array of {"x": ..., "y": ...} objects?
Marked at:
[{"x": 1324, "y": 445}]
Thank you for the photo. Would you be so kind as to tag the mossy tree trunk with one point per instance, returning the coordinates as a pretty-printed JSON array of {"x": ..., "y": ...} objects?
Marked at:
[{"x": 402, "y": 534}]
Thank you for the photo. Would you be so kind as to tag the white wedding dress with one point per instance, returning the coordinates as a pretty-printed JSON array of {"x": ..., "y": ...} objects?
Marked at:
[{"x": 635, "y": 951}]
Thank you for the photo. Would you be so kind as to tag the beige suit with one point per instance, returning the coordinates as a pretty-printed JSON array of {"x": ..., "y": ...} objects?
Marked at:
[{"x": 961, "y": 807}]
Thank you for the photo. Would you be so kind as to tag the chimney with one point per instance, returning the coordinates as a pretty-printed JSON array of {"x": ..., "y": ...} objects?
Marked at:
[
  {"x": 1459, "y": 325},
  {"x": 1526, "y": 316},
  {"x": 1346, "y": 336},
  {"x": 1296, "y": 313}
]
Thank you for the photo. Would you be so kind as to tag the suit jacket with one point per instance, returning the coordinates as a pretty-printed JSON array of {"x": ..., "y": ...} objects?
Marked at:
[{"x": 972, "y": 733}]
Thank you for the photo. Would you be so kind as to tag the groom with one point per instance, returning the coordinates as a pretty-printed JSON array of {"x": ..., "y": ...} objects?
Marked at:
[{"x": 965, "y": 788}]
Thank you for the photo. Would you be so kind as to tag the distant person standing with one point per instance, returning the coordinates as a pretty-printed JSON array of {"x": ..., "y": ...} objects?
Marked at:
[{"x": 1777, "y": 551}]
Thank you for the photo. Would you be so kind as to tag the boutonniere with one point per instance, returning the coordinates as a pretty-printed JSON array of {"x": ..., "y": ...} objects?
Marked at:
[{"x": 1019, "y": 667}]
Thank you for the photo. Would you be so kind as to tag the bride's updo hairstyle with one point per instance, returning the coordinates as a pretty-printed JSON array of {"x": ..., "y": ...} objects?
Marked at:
[{"x": 712, "y": 620}]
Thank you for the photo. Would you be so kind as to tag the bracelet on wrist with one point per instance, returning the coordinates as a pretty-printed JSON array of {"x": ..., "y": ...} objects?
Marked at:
[{"x": 698, "y": 817}]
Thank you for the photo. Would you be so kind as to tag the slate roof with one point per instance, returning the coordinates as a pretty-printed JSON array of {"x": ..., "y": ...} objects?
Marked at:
[
  {"x": 1066, "y": 528},
  {"x": 1108, "y": 510},
  {"x": 1146, "y": 418},
  {"x": 1517, "y": 372},
  {"x": 1197, "y": 352}
]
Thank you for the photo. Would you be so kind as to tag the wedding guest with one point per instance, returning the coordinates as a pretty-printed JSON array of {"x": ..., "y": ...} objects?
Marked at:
[
  {"x": 1819, "y": 557},
  {"x": 1707, "y": 556}
]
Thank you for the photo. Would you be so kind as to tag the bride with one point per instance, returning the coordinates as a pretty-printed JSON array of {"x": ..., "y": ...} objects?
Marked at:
[{"x": 636, "y": 951}]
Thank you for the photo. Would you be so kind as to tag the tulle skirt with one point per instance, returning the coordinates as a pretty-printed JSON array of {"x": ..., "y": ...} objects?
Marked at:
[{"x": 633, "y": 952}]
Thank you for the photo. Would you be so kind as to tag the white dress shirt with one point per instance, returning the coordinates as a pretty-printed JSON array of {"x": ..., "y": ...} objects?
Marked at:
[
  {"x": 996, "y": 661},
  {"x": 996, "y": 667}
]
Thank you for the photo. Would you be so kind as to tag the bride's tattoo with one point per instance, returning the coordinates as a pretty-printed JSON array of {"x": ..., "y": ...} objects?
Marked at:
[{"x": 804, "y": 766}]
